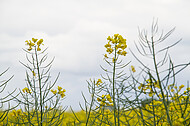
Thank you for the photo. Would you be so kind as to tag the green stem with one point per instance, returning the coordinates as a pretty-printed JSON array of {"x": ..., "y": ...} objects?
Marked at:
[
  {"x": 114, "y": 104},
  {"x": 118, "y": 111},
  {"x": 39, "y": 81},
  {"x": 162, "y": 92},
  {"x": 36, "y": 100},
  {"x": 93, "y": 89}
]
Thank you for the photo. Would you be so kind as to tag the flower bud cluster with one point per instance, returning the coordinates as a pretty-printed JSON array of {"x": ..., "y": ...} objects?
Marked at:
[
  {"x": 26, "y": 90},
  {"x": 133, "y": 68},
  {"x": 149, "y": 85},
  {"x": 105, "y": 100},
  {"x": 116, "y": 42},
  {"x": 60, "y": 91},
  {"x": 33, "y": 43},
  {"x": 98, "y": 82},
  {"x": 16, "y": 113},
  {"x": 172, "y": 88}
]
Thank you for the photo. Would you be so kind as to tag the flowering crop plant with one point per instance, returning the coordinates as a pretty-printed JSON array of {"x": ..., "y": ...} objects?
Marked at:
[
  {"x": 126, "y": 95},
  {"x": 40, "y": 104}
]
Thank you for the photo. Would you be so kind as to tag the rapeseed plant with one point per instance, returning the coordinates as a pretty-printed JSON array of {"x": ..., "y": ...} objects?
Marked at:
[
  {"x": 106, "y": 93},
  {"x": 40, "y": 107},
  {"x": 5, "y": 99},
  {"x": 164, "y": 110}
]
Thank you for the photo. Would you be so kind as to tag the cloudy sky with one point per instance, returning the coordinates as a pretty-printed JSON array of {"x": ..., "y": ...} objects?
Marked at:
[{"x": 75, "y": 32}]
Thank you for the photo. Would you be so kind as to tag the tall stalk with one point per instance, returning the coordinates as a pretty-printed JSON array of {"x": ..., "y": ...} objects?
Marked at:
[
  {"x": 40, "y": 86},
  {"x": 39, "y": 96},
  {"x": 158, "y": 76},
  {"x": 113, "y": 86}
]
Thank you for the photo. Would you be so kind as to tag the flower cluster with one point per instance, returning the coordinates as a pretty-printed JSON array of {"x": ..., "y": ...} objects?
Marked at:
[
  {"x": 98, "y": 82},
  {"x": 187, "y": 91},
  {"x": 175, "y": 109},
  {"x": 172, "y": 88},
  {"x": 16, "y": 113},
  {"x": 26, "y": 90},
  {"x": 60, "y": 91},
  {"x": 116, "y": 43},
  {"x": 133, "y": 68},
  {"x": 105, "y": 100},
  {"x": 149, "y": 86},
  {"x": 180, "y": 87},
  {"x": 33, "y": 43},
  {"x": 34, "y": 74}
]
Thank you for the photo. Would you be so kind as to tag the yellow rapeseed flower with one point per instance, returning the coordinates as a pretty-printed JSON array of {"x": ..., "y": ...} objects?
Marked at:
[
  {"x": 34, "y": 40},
  {"x": 172, "y": 90},
  {"x": 34, "y": 74},
  {"x": 133, "y": 69},
  {"x": 107, "y": 104},
  {"x": 103, "y": 96},
  {"x": 98, "y": 82},
  {"x": 40, "y": 42},
  {"x": 116, "y": 35},
  {"x": 19, "y": 111},
  {"x": 98, "y": 99},
  {"x": 117, "y": 44},
  {"x": 109, "y": 38},
  {"x": 102, "y": 103},
  {"x": 119, "y": 52},
  {"x": 103, "y": 99},
  {"x": 108, "y": 96},
  {"x": 27, "y": 42},
  {"x": 108, "y": 45},
  {"x": 124, "y": 53},
  {"x": 139, "y": 87},
  {"x": 60, "y": 92},
  {"x": 185, "y": 92},
  {"x": 109, "y": 50},
  {"x": 181, "y": 120},
  {"x": 150, "y": 94},
  {"x": 180, "y": 87},
  {"x": 105, "y": 56},
  {"x": 62, "y": 95},
  {"x": 26, "y": 90},
  {"x": 123, "y": 47},
  {"x": 38, "y": 49},
  {"x": 59, "y": 88},
  {"x": 160, "y": 95},
  {"x": 188, "y": 89},
  {"x": 64, "y": 90},
  {"x": 54, "y": 91},
  {"x": 29, "y": 49},
  {"x": 113, "y": 59},
  {"x": 34, "y": 44}
]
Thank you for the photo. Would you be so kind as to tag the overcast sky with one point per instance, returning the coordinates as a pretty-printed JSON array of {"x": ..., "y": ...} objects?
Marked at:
[{"x": 75, "y": 32}]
